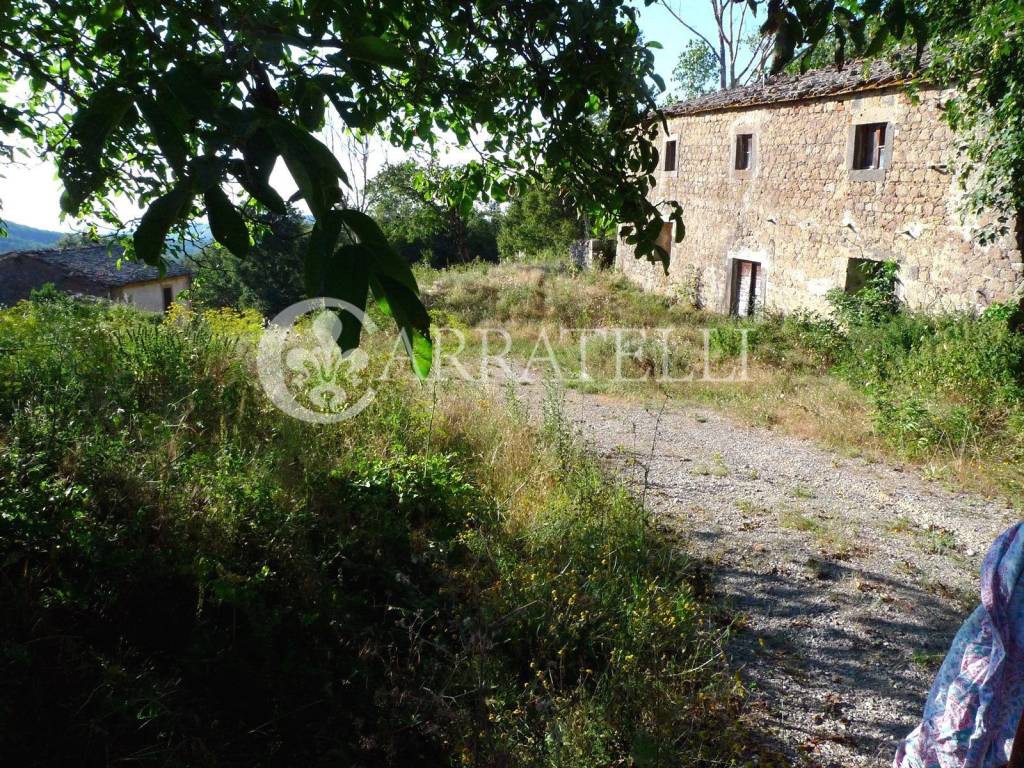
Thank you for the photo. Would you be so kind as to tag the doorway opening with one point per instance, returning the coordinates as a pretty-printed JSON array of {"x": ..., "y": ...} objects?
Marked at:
[{"x": 747, "y": 277}]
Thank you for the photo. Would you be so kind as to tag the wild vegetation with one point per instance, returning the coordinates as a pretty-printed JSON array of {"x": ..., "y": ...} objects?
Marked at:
[
  {"x": 171, "y": 106},
  {"x": 408, "y": 201},
  {"x": 190, "y": 577},
  {"x": 946, "y": 391}
]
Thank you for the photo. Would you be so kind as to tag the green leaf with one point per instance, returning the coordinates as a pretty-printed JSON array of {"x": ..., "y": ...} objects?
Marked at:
[
  {"x": 387, "y": 261},
  {"x": 877, "y": 42},
  {"x": 919, "y": 25},
  {"x": 259, "y": 151},
  {"x": 80, "y": 167},
  {"x": 895, "y": 17},
  {"x": 315, "y": 169},
  {"x": 840, "y": 54},
  {"x": 319, "y": 251},
  {"x": 412, "y": 319},
  {"x": 857, "y": 34},
  {"x": 340, "y": 273},
  {"x": 785, "y": 45},
  {"x": 347, "y": 278},
  {"x": 151, "y": 235},
  {"x": 226, "y": 223},
  {"x": 312, "y": 103},
  {"x": 205, "y": 171},
  {"x": 376, "y": 51},
  {"x": 111, "y": 12},
  {"x": 194, "y": 89},
  {"x": 168, "y": 134},
  {"x": 257, "y": 188}
]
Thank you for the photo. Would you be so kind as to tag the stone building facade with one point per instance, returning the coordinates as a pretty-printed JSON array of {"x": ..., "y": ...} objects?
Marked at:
[{"x": 805, "y": 183}]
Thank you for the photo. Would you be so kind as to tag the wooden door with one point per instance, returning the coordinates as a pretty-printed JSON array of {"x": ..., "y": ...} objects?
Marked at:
[{"x": 745, "y": 287}]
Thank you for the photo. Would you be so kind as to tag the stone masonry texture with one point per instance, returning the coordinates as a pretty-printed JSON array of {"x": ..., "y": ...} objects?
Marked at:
[{"x": 802, "y": 214}]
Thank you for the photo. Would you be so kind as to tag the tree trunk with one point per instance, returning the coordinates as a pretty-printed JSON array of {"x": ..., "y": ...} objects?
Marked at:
[{"x": 457, "y": 233}]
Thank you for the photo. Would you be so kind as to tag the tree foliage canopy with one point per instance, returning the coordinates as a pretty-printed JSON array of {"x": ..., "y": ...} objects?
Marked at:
[
  {"x": 424, "y": 212},
  {"x": 174, "y": 103},
  {"x": 695, "y": 72},
  {"x": 979, "y": 47},
  {"x": 538, "y": 220},
  {"x": 268, "y": 279}
]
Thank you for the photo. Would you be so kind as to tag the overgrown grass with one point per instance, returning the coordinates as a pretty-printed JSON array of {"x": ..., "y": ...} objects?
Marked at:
[
  {"x": 189, "y": 577},
  {"x": 945, "y": 391}
]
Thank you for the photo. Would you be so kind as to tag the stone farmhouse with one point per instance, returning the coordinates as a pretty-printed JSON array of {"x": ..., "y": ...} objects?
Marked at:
[
  {"x": 92, "y": 271},
  {"x": 806, "y": 183}
]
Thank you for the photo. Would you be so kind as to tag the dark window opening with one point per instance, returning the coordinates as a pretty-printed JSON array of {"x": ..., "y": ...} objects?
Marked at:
[
  {"x": 860, "y": 271},
  {"x": 670, "y": 155},
  {"x": 744, "y": 151},
  {"x": 665, "y": 237},
  {"x": 168, "y": 297},
  {"x": 869, "y": 146},
  {"x": 746, "y": 286}
]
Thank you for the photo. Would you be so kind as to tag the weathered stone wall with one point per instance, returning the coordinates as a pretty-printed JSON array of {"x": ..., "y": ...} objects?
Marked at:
[{"x": 802, "y": 214}]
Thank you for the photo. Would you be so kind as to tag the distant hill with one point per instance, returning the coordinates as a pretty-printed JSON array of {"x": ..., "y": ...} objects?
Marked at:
[{"x": 22, "y": 238}]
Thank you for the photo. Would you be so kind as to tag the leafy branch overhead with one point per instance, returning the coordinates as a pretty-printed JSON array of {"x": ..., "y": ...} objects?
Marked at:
[{"x": 177, "y": 104}]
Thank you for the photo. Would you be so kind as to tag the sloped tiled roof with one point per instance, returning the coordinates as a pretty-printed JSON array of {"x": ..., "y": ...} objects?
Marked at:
[
  {"x": 99, "y": 264},
  {"x": 828, "y": 81}
]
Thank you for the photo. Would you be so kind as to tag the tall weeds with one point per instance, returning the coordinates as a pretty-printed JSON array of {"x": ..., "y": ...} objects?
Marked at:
[{"x": 189, "y": 577}]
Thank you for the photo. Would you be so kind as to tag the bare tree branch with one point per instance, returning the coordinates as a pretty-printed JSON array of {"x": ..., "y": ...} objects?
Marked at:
[
  {"x": 732, "y": 45},
  {"x": 688, "y": 26}
]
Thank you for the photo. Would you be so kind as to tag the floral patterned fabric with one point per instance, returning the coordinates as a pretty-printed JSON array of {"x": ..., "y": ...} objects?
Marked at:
[{"x": 977, "y": 699}]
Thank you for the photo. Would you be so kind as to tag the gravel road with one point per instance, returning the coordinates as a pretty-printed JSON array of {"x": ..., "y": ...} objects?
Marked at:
[{"x": 848, "y": 578}]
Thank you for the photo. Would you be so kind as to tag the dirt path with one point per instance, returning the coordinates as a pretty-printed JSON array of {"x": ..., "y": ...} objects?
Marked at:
[{"x": 850, "y": 578}]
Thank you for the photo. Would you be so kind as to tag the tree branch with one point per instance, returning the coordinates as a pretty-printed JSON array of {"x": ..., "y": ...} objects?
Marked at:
[{"x": 680, "y": 19}]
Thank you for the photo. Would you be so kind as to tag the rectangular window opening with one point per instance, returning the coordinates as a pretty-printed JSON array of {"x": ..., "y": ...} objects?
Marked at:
[
  {"x": 859, "y": 272},
  {"x": 869, "y": 146},
  {"x": 168, "y": 293},
  {"x": 665, "y": 237},
  {"x": 670, "y": 155},
  {"x": 744, "y": 151}
]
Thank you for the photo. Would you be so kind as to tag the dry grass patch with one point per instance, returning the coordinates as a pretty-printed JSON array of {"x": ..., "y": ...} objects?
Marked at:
[{"x": 805, "y": 377}]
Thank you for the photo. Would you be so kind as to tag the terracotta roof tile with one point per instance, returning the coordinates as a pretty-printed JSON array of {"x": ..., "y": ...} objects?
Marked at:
[{"x": 828, "y": 81}]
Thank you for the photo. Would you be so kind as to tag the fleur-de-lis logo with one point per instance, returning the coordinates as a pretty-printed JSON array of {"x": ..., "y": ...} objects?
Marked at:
[{"x": 303, "y": 369}]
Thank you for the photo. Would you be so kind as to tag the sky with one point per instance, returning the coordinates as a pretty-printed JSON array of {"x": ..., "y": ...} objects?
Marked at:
[{"x": 30, "y": 192}]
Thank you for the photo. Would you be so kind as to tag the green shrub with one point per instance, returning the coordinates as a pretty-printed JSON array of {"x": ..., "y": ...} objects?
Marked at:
[
  {"x": 953, "y": 382},
  {"x": 189, "y": 577},
  {"x": 874, "y": 301},
  {"x": 536, "y": 223}
]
